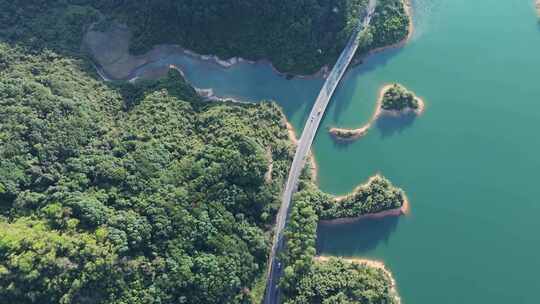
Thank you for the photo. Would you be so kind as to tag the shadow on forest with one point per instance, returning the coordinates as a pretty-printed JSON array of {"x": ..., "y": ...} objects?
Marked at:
[
  {"x": 354, "y": 238},
  {"x": 390, "y": 125}
]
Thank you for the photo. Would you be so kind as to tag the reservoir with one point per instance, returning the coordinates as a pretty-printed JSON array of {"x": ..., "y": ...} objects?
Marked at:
[{"x": 470, "y": 164}]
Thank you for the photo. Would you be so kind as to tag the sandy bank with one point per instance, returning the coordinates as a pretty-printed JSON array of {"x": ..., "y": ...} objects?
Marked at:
[
  {"x": 343, "y": 134},
  {"x": 206, "y": 94},
  {"x": 340, "y": 198},
  {"x": 538, "y": 7},
  {"x": 403, "y": 210},
  {"x": 369, "y": 263},
  {"x": 352, "y": 134}
]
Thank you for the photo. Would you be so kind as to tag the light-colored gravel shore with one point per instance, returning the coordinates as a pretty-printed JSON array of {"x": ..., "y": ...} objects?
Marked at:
[
  {"x": 369, "y": 263},
  {"x": 110, "y": 50},
  {"x": 403, "y": 210},
  {"x": 343, "y": 134}
]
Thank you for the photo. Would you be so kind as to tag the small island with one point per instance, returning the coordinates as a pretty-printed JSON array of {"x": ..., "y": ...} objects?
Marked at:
[
  {"x": 394, "y": 100},
  {"x": 397, "y": 99}
]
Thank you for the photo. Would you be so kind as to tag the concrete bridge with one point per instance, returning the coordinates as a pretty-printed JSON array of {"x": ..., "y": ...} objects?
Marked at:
[{"x": 272, "y": 294}]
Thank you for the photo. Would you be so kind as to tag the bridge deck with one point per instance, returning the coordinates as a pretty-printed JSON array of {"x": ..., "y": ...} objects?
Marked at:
[{"x": 302, "y": 151}]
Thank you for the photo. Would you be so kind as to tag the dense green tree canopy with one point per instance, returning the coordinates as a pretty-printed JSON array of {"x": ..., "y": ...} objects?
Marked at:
[
  {"x": 174, "y": 191},
  {"x": 397, "y": 98},
  {"x": 143, "y": 193},
  {"x": 40, "y": 265},
  {"x": 376, "y": 196},
  {"x": 307, "y": 281},
  {"x": 341, "y": 282},
  {"x": 297, "y": 36}
]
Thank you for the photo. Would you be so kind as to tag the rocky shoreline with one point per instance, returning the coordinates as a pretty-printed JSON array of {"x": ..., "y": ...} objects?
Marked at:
[
  {"x": 110, "y": 51},
  {"x": 343, "y": 134}
]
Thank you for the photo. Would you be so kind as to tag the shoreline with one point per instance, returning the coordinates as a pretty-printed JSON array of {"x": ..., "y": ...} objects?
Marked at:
[
  {"x": 121, "y": 65},
  {"x": 209, "y": 96},
  {"x": 339, "y": 198},
  {"x": 228, "y": 63},
  {"x": 407, "y": 5},
  {"x": 206, "y": 94},
  {"x": 538, "y": 7},
  {"x": 126, "y": 66},
  {"x": 369, "y": 263},
  {"x": 354, "y": 134},
  {"x": 403, "y": 210},
  {"x": 321, "y": 73}
]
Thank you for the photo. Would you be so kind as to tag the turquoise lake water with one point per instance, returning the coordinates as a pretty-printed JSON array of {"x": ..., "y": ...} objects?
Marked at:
[{"x": 470, "y": 164}]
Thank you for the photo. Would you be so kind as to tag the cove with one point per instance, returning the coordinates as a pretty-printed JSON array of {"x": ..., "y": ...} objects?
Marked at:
[{"x": 469, "y": 164}]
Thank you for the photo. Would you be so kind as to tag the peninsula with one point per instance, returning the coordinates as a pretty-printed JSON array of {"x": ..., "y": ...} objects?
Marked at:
[
  {"x": 357, "y": 265},
  {"x": 394, "y": 100},
  {"x": 306, "y": 274},
  {"x": 377, "y": 198},
  {"x": 169, "y": 196}
]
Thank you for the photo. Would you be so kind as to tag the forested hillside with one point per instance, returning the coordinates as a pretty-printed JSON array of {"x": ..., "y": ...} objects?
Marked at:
[
  {"x": 160, "y": 201},
  {"x": 336, "y": 281},
  {"x": 142, "y": 193},
  {"x": 52, "y": 24},
  {"x": 298, "y": 37}
]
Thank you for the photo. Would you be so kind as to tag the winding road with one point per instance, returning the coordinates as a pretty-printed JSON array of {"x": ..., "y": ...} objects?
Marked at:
[{"x": 272, "y": 294}]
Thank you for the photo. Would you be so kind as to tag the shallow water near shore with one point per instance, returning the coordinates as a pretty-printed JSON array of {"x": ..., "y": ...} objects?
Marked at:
[{"x": 469, "y": 164}]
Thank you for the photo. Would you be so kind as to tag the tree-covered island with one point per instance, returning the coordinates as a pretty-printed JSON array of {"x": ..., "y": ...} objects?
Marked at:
[
  {"x": 397, "y": 98},
  {"x": 394, "y": 100},
  {"x": 117, "y": 193}
]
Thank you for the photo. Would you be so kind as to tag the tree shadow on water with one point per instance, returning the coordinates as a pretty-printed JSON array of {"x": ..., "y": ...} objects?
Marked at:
[
  {"x": 339, "y": 144},
  {"x": 390, "y": 125},
  {"x": 354, "y": 238},
  {"x": 363, "y": 65}
]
